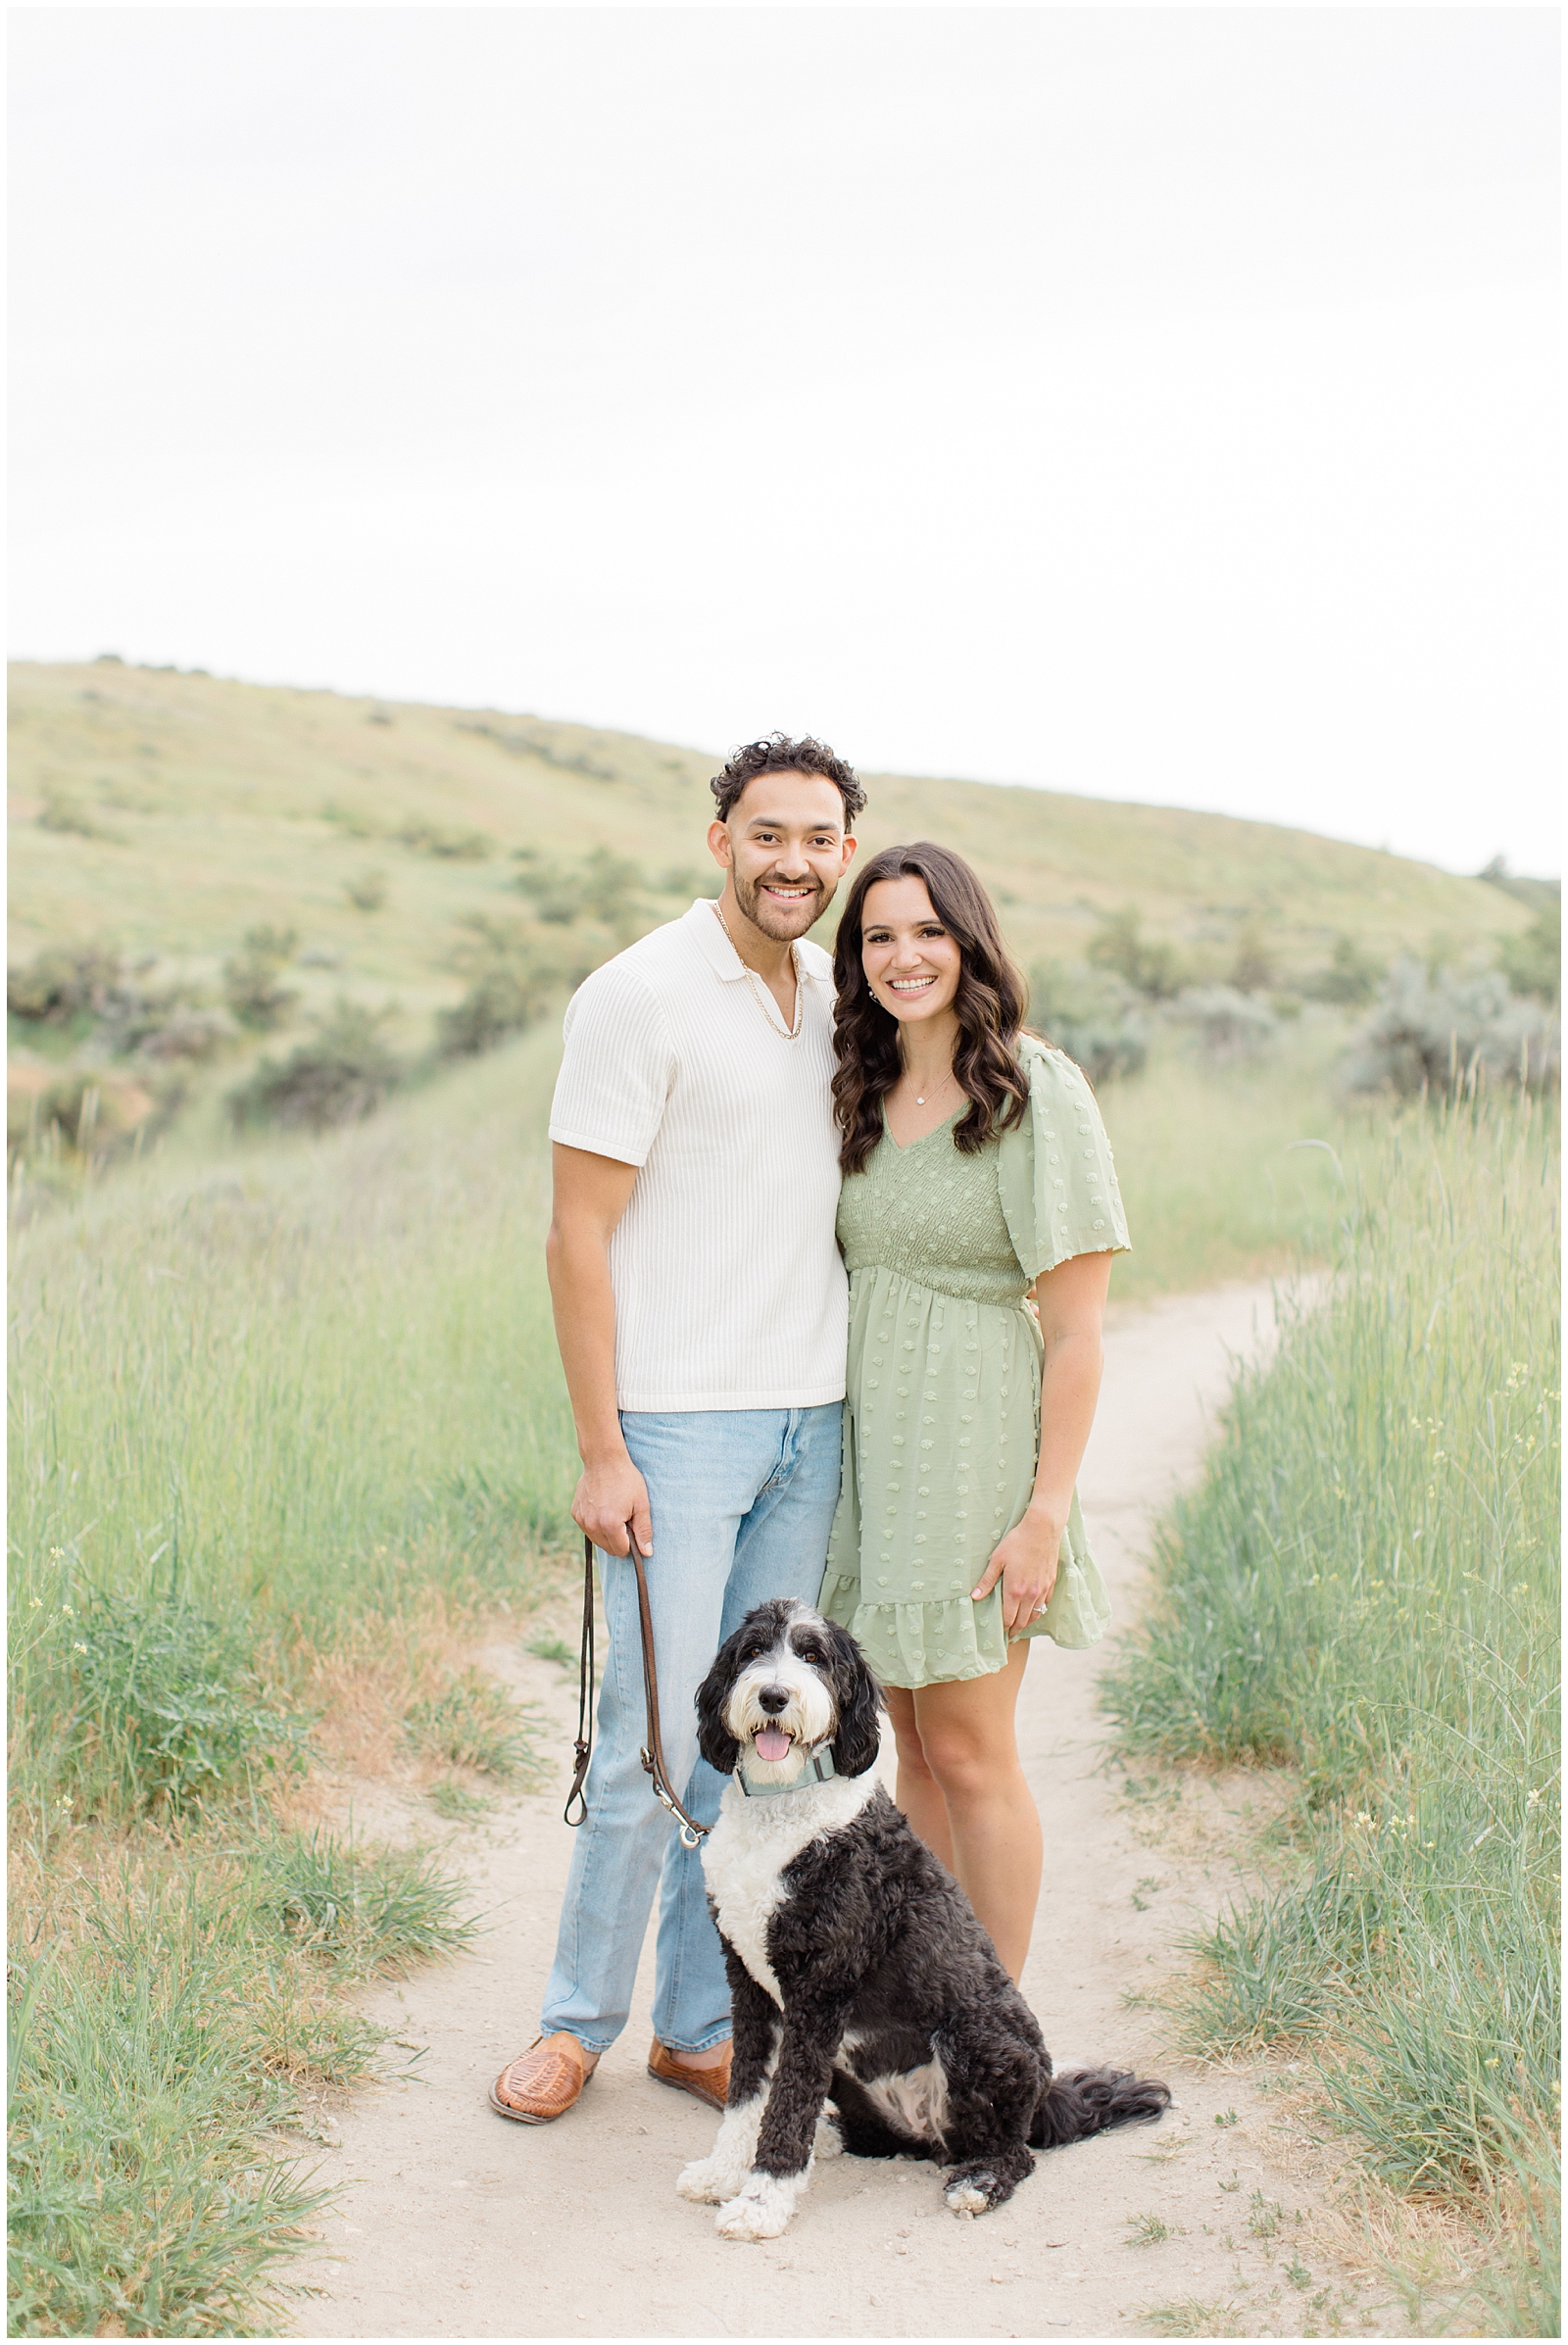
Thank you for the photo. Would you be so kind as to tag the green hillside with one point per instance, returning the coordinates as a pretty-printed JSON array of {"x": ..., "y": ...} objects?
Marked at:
[{"x": 166, "y": 812}]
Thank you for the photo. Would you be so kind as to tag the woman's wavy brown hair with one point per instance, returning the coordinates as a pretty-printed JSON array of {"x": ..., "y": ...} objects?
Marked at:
[{"x": 990, "y": 1004}]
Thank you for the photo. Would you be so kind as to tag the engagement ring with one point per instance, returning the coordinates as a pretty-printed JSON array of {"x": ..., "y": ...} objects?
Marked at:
[{"x": 1040, "y": 1609}]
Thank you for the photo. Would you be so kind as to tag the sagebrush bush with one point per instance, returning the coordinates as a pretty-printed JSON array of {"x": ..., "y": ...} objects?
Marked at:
[
  {"x": 63, "y": 810},
  {"x": 1353, "y": 975},
  {"x": 1151, "y": 965},
  {"x": 1093, "y": 1015},
  {"x": 1430, "y": 1028},
  {"x": 456, "y": 845},
  {"x": 94, "y": 993},
  {"x": 1228, "y": 1024},
  {"x": 609, "y": 888},
  {"x": 252, "y": 982},
  {"x": 61, "y": 982},
  {"x": 513, "y": 974},
  {"x": 338, "y": 1075},
  {"x": 1531, "y": 961}
]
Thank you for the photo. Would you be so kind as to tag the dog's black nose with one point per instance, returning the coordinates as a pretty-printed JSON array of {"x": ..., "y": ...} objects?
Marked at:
[{"x": 773, "y": 1699}]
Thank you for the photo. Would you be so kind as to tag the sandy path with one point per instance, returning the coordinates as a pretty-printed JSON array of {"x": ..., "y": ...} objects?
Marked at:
[{"x": 453, "y": 2222}]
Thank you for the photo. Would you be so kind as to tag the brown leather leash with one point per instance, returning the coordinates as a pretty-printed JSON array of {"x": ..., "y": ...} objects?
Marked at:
[{"x": 653, "y": 1754}]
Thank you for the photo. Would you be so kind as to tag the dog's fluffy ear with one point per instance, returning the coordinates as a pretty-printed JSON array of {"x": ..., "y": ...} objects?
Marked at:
[
  {"x": 715, "y": 1740},
  {"x": 855, "y": 1739}
]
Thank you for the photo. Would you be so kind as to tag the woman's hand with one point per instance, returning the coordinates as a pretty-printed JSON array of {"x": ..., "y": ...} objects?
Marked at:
[{"x": 1026, "y": 1563}]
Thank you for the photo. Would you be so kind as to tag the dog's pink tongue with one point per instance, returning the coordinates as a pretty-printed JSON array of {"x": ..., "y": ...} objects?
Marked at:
[{"x": 772, "y": 1744}]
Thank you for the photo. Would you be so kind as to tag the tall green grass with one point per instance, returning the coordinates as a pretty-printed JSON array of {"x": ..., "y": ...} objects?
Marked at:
[
  {"x": 262, "y": 1406},
  {"x": 1367, "y": 1587},
  {"x": 297, "y": 1376},
  {"x": 170, "y": 2020},
  {"x": 1216, "y": 1163}
]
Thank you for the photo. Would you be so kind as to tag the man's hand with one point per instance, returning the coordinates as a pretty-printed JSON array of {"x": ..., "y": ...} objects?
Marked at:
[
  {"x": 608, "y": 1498},
  {"x": 1026, "y": 1563}
]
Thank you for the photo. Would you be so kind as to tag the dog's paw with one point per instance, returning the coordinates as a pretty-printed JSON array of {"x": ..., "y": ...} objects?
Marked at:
[
  {"x": 970, "y": 2197},
  {"x": 760, "y": 2211},
  {"x": 830, "y": 2142},
  {"x": 710, "y": 2180}
]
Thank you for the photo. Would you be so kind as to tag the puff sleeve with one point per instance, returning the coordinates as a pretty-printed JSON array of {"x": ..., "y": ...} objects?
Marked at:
[{"x": 1054, "y": 1172}]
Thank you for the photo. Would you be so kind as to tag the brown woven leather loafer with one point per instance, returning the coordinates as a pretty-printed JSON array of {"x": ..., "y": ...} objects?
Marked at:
[
  {"x": 543, "y": 2083},
  {"x": 709, "y": 2084}
]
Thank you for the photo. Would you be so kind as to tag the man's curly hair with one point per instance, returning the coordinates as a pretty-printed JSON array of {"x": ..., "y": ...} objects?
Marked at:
[{"x": 778, "y": 754}]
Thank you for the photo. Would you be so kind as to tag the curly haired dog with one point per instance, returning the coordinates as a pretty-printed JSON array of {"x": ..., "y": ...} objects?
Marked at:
[{"x": 857, "y": 1971}]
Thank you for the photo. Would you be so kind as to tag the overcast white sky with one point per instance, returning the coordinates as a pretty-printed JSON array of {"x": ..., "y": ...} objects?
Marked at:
[{"x": 1155, "y": 404}]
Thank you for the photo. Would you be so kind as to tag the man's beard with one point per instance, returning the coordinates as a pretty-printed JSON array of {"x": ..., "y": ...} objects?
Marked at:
[{"x": 781, "y": 925}]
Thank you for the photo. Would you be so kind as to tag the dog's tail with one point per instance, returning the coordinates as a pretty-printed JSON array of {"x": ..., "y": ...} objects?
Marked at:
[{"x": 1089, "y": 2100}]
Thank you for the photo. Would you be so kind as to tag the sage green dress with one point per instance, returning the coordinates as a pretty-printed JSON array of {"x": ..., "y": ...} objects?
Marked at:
[{"x": 942, "y": 1409}]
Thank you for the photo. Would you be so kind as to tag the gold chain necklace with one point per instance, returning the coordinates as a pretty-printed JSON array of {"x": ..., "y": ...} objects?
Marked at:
[{"x": 788, "y": 1034}]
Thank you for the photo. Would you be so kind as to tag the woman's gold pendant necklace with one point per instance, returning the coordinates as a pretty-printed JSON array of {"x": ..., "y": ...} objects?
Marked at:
[
  {"x": 919, "y": 1099},
  {"x": 789, "y": 1033}
]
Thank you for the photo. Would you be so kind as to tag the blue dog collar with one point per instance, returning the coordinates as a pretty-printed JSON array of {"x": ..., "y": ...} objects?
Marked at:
[{"x": 819, "y": 1769}]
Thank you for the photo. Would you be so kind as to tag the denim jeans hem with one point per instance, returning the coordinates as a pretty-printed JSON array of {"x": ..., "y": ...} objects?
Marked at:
[{"x": 706, "y": 2045}]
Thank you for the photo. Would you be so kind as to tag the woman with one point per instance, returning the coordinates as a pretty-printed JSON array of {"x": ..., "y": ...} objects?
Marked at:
[{"x": 977, "y": 1177}]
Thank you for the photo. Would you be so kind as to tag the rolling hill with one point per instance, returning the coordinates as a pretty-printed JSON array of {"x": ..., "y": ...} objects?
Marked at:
[{"x": 166, "y": 811}]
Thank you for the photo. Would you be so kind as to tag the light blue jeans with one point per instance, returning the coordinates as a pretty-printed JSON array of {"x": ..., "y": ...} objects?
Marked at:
[{"x": 742, "y": 1503}]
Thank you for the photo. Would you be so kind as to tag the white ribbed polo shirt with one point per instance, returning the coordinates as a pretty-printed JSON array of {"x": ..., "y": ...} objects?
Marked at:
[{"x": 729, "y": 1286}]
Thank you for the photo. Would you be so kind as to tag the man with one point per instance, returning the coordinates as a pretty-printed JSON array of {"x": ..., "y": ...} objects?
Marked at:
[{"x": 700, "y": 1307}]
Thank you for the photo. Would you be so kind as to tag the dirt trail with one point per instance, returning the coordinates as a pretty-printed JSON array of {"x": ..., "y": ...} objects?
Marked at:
[{"x": 453, "y": 2222}]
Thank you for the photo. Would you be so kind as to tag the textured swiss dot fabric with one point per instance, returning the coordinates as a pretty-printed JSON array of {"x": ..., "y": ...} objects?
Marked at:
[
  {"x": 942, "y": 1416},
  {"x": 729, "y": 1289}
]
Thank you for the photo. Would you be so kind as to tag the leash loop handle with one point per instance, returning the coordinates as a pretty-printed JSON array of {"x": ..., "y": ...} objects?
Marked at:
[
  {"x": 692, "y": 1833},
  {"x": 583, "y": 1748}
]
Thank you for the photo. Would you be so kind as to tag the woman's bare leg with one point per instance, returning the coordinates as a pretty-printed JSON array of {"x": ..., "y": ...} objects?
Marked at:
[
  {"x": 963, "y": 1732},
  {"x": 917, "y": 1792}
]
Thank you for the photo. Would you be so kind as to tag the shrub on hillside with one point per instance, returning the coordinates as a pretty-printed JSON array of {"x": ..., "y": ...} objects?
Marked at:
[
  {"x": 91, "y": 987},
  {"x": 1531, "y": 961},
  {"x": 498, "y": 1005},
  {"x": 1432, "y": 1028},
  {"x": 62, "y": 982},
  {"x": 449, "y": 846},
  {"x": 1254, "y": 967},
  {"x": 510, "y": 980},
  {"x": 1151, "y": 965},
  {"x": 251, "y": 978},
  {"x": 1353, "y": 975},
  {"x": 61, "y": 812},
  {"x": 337, "y": 1075},
  {"x": 1092, "y": 1015},
  {"x": 182, "y": 1030},
  {"x": 604, "y": 886},
  {"x": 367, "y": 891},
  {"x": 1228, "y": 1025}
]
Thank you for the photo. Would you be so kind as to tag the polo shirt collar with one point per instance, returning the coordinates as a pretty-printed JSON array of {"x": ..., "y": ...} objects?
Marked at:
[{"x": 711, "y": 942}]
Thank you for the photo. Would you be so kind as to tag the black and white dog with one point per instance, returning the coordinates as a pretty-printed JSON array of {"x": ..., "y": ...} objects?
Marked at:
[{"x": 857, "y": 1971}]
